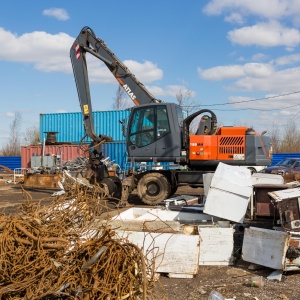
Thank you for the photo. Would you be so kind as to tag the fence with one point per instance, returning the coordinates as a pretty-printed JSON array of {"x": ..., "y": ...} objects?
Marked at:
[{"x": 19, "y": 173}]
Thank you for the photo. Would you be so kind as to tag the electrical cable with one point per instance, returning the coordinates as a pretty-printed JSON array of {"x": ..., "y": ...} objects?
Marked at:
[
  {"x": 245, "y": 101},
  {"x": 259, "y": 109}
]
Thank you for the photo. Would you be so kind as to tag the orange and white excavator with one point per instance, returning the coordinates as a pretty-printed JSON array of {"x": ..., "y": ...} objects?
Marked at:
[{"x": 158, "y": 132}]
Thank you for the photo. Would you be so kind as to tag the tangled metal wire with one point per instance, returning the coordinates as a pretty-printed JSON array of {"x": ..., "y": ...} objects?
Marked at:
[{"x": 63, "y": 251}]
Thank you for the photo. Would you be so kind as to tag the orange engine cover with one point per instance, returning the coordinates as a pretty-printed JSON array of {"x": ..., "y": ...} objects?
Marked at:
[{"x": 217, "y": 147}]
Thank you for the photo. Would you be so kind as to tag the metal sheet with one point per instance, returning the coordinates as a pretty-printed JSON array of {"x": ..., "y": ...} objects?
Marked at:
[
  {"x": 285, "y": 194},
  {"x": 170, "y": 253},
  {"x": 70, "y": 125},
  {"x": 229, "y": 193},
  {"x": 264, "y": 178},
  {"x": 216, "y": 246},
  {"x": 265, "y": 247}
]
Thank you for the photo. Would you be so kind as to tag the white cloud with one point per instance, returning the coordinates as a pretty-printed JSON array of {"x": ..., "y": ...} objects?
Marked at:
[
  {"x": 222, "y": 72},
  {"x": 145, "y": 72},
  {"x": 280, "y": 81},
  {"x": 50, "y": 53},
  {"x": 236, "y": 71},
  {"x": 287, "y": 59},
  {"x": 170, "y": 90},
  {"x": 269, "y": 9},
  {"x": 258, "y": 57},
  {"x": 265, "y": 34},
  {"x": 272, "y": 107},
  {"x": 58, "y": 13},
  {"x": 254, "y": 77},
  {"x": 234, "y": 18},
  {"x": 241, "y": 58},
  {"x": 47, "y": 52},
  {"x": 258, "y": 70},
  {"x": 7, "y": 115}
]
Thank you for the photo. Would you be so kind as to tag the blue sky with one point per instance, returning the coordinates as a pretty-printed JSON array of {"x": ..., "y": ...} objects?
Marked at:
[{"x": 226, "y": 53}]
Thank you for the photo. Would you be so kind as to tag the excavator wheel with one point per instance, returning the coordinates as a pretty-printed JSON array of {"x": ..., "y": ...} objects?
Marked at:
[
  {"x": 173, "y": 190},
  {"x": 118, "y": 183},
  {"x": 153, "y": 188},
  {"x": 109, "y": 187}
]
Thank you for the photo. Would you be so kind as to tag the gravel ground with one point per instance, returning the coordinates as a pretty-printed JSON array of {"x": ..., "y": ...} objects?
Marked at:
[{"x": 233, "y": 282}]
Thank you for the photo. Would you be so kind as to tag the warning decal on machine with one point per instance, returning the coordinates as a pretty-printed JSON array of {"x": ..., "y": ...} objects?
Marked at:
[{"x": 238, "y": 156}]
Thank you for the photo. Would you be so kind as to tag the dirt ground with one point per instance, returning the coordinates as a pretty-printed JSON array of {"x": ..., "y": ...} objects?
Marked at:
[{"x": 233, "y": 282}]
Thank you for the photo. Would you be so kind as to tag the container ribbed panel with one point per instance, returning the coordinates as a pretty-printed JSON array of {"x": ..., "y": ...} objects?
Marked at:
[
  {"x": 11, "y": 162},
  {"x": 70, "y": 129},
  {"x": 277, "y": 157},
  {"x": 116, "y": 152}
]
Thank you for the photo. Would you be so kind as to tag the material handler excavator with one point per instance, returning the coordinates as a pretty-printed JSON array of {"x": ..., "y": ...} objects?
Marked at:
[{"x": 158, "y": 132}]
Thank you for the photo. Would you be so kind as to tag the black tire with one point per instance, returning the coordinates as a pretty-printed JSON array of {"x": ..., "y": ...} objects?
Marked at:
[
  {"x": 112, "y": 186},
  {"x": 153, "y": 188},
  {"x": 109, "y": 186},
  {"x": 118, "y": 192},
  {"x": 173, "y": 190},
  {"x": 252, "y": 170}
]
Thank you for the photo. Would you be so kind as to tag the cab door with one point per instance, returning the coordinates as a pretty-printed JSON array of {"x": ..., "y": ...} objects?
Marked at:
[
  {"x": 151, "y": 135},
  {"x": 141, "y": 134}
]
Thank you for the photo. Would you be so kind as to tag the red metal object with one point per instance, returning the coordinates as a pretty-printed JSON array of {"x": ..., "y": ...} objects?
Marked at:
[
  {"x": 264, "y": 206},
  {"x": 66, "y": 152}
]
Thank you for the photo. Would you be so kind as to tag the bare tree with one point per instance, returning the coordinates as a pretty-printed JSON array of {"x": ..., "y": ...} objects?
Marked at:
[
  {"x": 275, "y": 138},
  {"x": 32, "y": 136},
  {"x": 121, "y": 101},
  {"x": 13, "y": 146},
  {"x": 290, "y": 139},
  {"x": 285, "y": 139},
  {"x": 189, "y": 105}
]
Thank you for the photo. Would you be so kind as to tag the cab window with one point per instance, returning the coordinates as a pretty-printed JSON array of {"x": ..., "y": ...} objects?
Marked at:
[{"x": 148, "y": 124}]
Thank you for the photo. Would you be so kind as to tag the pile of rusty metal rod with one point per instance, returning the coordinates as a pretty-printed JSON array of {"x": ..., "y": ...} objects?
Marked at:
[{"x": 60, "y": 251}]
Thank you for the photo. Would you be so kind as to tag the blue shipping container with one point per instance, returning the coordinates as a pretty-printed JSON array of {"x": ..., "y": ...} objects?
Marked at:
[
  {"x": 12, "y": 162},
  {"x": 116, "y": 152},
  {"x": 70, "y": 129},
  {"x": 277, "y": 157}
]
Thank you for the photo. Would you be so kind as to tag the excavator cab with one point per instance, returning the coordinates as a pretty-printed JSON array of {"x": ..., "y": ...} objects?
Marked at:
[{"x": 154, "y": 133}]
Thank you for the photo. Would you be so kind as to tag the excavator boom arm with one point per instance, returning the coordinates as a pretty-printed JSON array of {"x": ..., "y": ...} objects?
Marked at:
[{"x": 88, "y": 42}]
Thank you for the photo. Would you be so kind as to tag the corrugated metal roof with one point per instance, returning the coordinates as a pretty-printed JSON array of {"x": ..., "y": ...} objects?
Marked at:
[
  {"x": 69, "y": 126},
  {"x": 277, "y": 157},
  {"x": 12, "y": 162}
]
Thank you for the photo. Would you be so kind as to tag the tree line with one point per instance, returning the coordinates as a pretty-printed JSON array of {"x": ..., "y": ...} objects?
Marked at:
[{"x": 284, "y": 138}]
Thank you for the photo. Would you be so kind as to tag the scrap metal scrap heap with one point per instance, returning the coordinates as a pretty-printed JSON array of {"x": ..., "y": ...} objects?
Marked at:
[{"x": 62, "y": 251}]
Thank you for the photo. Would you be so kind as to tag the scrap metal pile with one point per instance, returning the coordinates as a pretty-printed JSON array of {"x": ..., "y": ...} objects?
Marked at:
[{"x": 60, "y": 251}]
